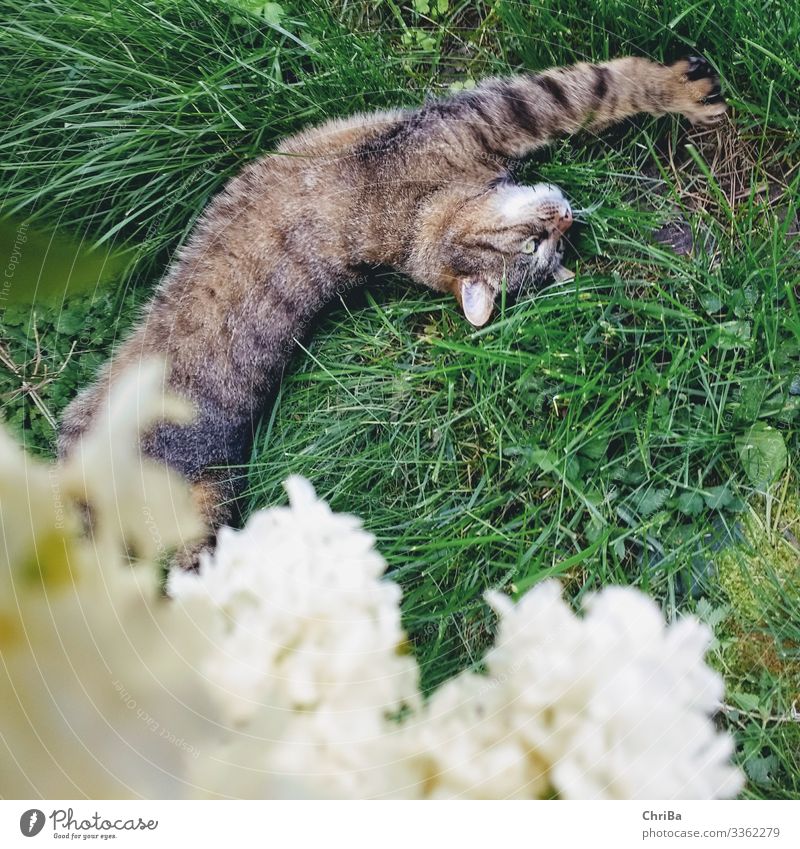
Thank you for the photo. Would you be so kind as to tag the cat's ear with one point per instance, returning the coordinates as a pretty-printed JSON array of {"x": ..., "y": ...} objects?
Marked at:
[{"x": 477, "y": 300}]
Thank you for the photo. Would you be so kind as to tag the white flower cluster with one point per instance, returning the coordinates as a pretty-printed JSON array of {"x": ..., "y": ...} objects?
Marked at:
[
  {"x": 614, "y": 704},
  {"x": 299, "y": 628},
  {"x": 97, "y": 673},
  {"x": 281, "y": 669},
  {"x": 611, "y": 705}
]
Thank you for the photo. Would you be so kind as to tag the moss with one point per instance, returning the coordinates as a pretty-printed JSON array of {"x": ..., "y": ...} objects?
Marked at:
[
  {"x": 753, "y": 652},
  {"x": 758, "y": 576},
  {"x": 753, "y": 573}
]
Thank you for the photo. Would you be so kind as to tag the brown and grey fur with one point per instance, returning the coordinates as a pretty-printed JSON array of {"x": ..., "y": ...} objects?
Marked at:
[{"x": 426, "y": 191}]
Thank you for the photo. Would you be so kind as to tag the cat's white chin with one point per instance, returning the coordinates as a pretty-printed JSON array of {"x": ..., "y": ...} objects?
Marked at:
[{"x": 518, "y": 203}]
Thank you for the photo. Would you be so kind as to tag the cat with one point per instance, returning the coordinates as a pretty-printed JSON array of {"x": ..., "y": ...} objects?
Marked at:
[{"x": 426, "y": 191}]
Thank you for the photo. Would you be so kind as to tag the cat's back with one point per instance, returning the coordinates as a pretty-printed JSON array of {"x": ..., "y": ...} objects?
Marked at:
[{"x": 320, "y": 191}]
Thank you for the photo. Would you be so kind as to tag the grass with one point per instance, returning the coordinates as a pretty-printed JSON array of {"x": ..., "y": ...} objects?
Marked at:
[{"x": 596, "y": 432}]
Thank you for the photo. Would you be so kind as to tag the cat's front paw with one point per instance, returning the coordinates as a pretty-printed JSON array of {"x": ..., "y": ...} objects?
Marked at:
[{"x": 697, "y": 93}]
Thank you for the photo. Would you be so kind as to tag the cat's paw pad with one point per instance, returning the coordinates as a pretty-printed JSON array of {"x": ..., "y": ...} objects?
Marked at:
[
  {"x": 698, "y": 67},
  {"x": 698, "y": 93}
]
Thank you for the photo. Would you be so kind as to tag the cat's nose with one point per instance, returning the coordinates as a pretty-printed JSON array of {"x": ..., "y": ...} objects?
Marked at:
[{"x": 565, "y": 220}]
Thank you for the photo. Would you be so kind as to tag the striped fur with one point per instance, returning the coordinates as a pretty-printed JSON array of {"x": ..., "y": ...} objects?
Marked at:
[{"x": 426, "y": 191}]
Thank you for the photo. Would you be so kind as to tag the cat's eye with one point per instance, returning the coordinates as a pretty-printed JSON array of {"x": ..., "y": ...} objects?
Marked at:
[{"x": 530, "y": 246}]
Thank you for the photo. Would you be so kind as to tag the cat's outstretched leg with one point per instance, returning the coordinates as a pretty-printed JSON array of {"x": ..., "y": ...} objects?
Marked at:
[
  {"x": 215, "y": 494},
  {"x": 474, "y": 236},
  {"x": 510, "y": 117}
]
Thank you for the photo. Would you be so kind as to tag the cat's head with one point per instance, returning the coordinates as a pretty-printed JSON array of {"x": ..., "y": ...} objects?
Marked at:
[{"x": 526, "y": 228}]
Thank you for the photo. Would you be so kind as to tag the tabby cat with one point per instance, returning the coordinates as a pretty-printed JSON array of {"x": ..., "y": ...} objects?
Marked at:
[{"x": 426, "y": 191}]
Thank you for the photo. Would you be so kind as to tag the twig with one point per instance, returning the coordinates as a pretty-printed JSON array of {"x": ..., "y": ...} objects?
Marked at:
[
  {"x": 792, "y": 716},
  {"x": 33, "y": 389}
]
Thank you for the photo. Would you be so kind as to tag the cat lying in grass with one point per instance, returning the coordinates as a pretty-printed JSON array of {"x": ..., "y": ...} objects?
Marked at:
[{"x": 426, "y": 191}]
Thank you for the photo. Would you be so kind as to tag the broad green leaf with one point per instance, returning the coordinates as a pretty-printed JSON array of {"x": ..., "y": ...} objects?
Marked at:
[
  {"x": 649, "y": 501},
  {"x": 760, "y": 768},
  {"x": 544, "y": 459},
  {"x": 733, "y": 334},
  {"x": 594, "y": 449},
  {"x": 762, "y": 451},
  {"x": 718, "y": 497},
  {"x": 690, "y": 503},
  {"x": 746, "y": 701},
  {"x": 711, "y": 304}
]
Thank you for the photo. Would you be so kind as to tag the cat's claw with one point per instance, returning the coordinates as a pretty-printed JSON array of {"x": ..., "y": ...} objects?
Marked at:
[
  {"x": 698, "y": 67},
  {"x": 699, "y": 93}
]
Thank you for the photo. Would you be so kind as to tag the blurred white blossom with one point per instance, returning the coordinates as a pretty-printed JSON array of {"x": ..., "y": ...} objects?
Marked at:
[
  {"x": 98, "y": 689},
  {"x": 282, "y": 669},
  {"x": 611, "y": 705},
  {"x": 134, "y": 499},
  {"x": 299, "y": 625}
]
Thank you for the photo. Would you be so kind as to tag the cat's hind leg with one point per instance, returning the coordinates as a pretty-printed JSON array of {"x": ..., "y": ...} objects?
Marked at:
[{"x": 216, "y": 495}]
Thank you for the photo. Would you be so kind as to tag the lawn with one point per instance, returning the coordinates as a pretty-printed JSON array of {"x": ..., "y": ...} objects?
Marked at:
[{"x": 638, "y": 425}]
